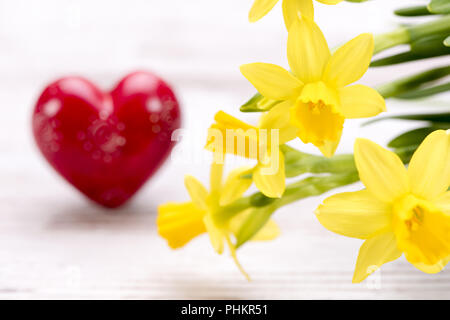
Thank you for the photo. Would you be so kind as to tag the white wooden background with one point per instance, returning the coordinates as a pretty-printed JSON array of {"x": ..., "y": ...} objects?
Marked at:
[{"x": 55, "y": 244}]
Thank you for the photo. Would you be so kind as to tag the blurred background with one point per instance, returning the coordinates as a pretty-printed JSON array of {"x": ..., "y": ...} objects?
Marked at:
[{"x": 56, "y": 244}]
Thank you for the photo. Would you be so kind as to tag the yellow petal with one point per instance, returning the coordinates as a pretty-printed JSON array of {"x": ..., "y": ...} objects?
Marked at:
[
  {"x": 216, "y": 176},
  {"x": 429, "y": 169},
  {"x": 354, "y": 214},
  {"x": 270, "y": 177},
  {"x": 216, "y": 235},
  {"x": 438, "y": 267},
  {"x": 359, "y": 101},
  {"x": 443, "y": 202},
  {"x": 328, "y": 148},
  {"x": 234, "y": 256},
  {"x": 232, "y": 136},
  {"x": 260, "y": 8},
  {"x": 229, "y": 122},
  {"x": 279, "y": 118},
  {"x": 270, "y": 231},
  {"x": 308, "y": 51},
  {"x": 330, "y": 1},
  {"x": 381, "y": 171},
  {"x": 197, "y": 191},
  {"x": 271, "y": 81},
  {"x": 287, "y": 134},
  {"x": 294, "y": 9},
  {"x": 374, "y": 253},
  {"x": 179, "y": 223},
  {"x": 349, "y": 63},
  {"x": 235, "y": 186}
]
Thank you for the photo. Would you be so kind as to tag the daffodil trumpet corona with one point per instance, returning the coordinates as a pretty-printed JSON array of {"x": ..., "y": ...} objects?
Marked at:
[
  {"x": 292, "y": 9},
  {"x": 401, "y": 211},
  {"x": 229, "y": 135}
]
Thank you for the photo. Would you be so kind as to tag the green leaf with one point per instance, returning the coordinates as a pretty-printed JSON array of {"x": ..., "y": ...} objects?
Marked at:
[
  {"x": 439, "y": 6},
  {"x": 426, "y": 92},
  {"x": 423, "y": 48},
  {"x": 297, "y": 163},
  {"x": 413, "y": 82},
  {"x": 308, "y": 187},
  {"x": 433, "y": 27},
  {"x": 410, "y": 138},
  {"x": 413, "y": 11}
]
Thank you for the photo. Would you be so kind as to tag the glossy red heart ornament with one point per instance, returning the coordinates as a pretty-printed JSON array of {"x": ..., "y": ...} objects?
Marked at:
[{"x": 106, "y": 144}]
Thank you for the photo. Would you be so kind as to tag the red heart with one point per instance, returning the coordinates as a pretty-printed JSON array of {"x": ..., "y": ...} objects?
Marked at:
[{"x": 106, "y": 144}]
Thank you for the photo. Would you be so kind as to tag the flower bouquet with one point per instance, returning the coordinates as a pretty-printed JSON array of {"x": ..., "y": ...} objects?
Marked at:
[{"x": 404, "y": 208}]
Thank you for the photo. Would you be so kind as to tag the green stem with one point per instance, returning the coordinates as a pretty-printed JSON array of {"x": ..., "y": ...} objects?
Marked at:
[
  {"x": 404, "y": 85},
  {"x": 413, "y": 11},
  {"x": 405, "y": 35}
]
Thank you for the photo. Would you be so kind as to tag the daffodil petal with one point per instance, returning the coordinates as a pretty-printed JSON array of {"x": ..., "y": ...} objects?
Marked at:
[
  {"x": 349, "y": 63},
  {"x": 196, "y": 191},
  {"x": 374, "y": 253},
  {"x": 359, "y": 101},
  {"x": 294, "y": 9},
  {"x": 438, "y": 267},
  {"x": 179, "y": 223},
  {"x": 429, "y": 169},
  {"x": 354, "y": 214},
  {"x": 235, "y": 259},
  {"x": 270, "y": 231},
  {"x": 270, "y": 178},
  {"x": 308, "y": 51},
  {"x": 271, "y": 81},
  {"x": 215, "y": 234},
  {"x": 216, "y": 176},
  {"x": 277, "y": 117},
  {"x": 443, "y": 202},
  {"x": 260, "y": 8},
  {"x": 381, "y": 171},
  {"x": 235, "y": 186},
  {"x": 328, "y": 148},
  {"x": 228, "y": 121}
]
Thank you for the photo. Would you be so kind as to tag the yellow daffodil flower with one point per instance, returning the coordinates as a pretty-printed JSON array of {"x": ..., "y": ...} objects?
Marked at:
[
  {"x": 316, "y": 93},
  {"x": 401, "y": 211},
  {"x": 179, "y": 223},
  {"x": 232, "y": 136},
  {"x": 292, "y": 9}
]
